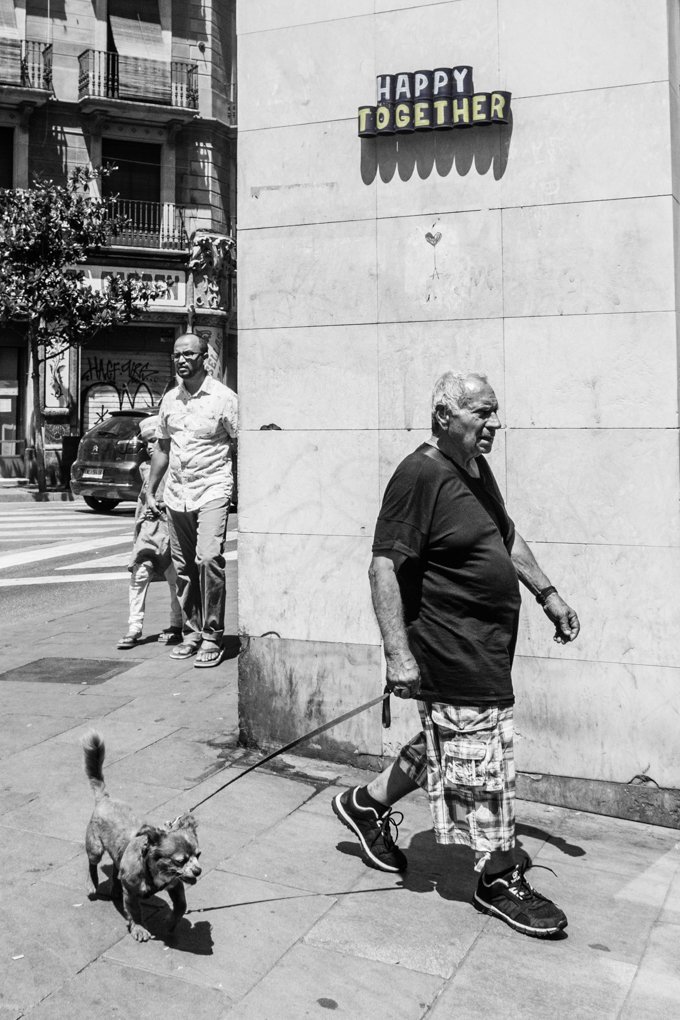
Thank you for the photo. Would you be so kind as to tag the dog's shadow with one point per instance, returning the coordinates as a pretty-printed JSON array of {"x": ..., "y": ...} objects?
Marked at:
[{"x": 156, "y": 915}]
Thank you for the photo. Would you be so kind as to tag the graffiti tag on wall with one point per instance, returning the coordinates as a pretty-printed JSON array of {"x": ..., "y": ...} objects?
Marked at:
[
  {"x": 106, "y": 370},
  {"x": 112, "y": 381}
]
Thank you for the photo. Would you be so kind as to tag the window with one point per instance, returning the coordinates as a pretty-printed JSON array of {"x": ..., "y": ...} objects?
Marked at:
[
  {"x": 138, "y": 67},
  {"x": 9, "y": 402},
  {"x": 6, "y": 157},
  {"x": 138, "y": 176}
]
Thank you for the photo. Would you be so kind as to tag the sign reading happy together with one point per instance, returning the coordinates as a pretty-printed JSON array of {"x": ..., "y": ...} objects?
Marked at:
[{"x": 431, "y": 100}]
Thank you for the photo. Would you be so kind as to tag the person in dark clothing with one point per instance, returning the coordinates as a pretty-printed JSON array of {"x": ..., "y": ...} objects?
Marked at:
[{"x": 444, "y": 580}]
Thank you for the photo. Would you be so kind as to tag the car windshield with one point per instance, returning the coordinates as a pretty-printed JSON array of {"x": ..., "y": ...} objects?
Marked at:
[{"x": 123, "y": 427}]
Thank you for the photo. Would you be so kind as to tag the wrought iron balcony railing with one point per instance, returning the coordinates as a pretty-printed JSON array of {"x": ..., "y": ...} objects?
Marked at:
[
  {"x": 114, "y": 76},
  {"x": 150, "y": 225},
  {"x": 26, "y": 63}
]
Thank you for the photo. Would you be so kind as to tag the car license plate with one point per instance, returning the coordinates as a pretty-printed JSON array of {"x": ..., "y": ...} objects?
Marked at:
[{"x": 93, "y": 473}]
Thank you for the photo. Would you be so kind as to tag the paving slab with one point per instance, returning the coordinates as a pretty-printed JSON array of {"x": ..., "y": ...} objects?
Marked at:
[
  {"x": 670, "y": 912},
  {"x": 311, "y": 982},
  {"x": 175, "y": 760},
  {"x": 252, "y": 805},
  {"x": 225, "y": 825},
  {"x": 26, "y": 860},
  {"x": 106, "y": 990},
  {"x": 310, "y": 862},
  {"x": 612, "y": 843},
  {"x": 655, "y": 992},
  {"x": 125, "y": 731},
  {"x": 46, "y": 936},
  {"x": 162, "y": 673},
  {"x": 246, "y": 928},
  {"x": 64, "y": 811},
  {"x": 18, "y": 733},
  {"x": 34, "y": 771},
  {"x": 397, "y": 925},
  {"x": 33, "y": 700},
  {"x": 531, "y": 979},
  {"x": 74, "y": 874}
]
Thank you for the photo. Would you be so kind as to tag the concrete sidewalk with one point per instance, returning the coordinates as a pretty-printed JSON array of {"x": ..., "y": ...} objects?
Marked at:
[{"x": 286, "y": 922}]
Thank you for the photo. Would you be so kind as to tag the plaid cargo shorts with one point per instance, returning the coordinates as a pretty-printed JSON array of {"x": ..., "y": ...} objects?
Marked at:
[{"x": 464, "y": 759}]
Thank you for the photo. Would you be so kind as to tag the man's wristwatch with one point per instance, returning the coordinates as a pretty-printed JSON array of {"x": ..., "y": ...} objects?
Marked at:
[{"x": 544, "y": 594}]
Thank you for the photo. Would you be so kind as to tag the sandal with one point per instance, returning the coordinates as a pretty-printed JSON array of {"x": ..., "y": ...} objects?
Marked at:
[
  {"x": 170, "y": 636},
  {"x": 185, "y": 650},
  {"x": 130, "y": 639},
  {"x": 209, "y": 655}
]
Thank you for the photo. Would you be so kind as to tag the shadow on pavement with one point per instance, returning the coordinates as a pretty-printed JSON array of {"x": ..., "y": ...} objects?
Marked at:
[
  {"x": 449, "y": 870},
  {"x": 156, "y": 915},
  {"x": 533, "y": 832}
]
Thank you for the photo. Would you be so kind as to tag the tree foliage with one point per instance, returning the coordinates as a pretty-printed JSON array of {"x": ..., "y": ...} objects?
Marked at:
[{"x": 46, "y": 231}]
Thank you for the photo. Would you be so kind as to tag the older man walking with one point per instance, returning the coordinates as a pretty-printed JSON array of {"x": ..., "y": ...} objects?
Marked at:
[
  {"x": 196, "y": 434},
  {"x": 444, "y": 581}
]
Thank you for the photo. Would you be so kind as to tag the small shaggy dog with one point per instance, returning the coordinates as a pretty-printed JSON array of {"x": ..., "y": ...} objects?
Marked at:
[{"x": 146, "y": 858}]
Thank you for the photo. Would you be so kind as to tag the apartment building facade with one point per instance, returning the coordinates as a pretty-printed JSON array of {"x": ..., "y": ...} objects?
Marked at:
[{"x": 147, "y": 87}]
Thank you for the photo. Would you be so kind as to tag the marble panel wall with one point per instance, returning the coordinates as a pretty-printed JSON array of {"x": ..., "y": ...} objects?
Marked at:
[{"x": 543, "y": 253}]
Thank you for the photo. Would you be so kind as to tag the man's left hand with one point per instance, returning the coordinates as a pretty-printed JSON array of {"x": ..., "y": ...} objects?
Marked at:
[{"x": 564, "y": 618}]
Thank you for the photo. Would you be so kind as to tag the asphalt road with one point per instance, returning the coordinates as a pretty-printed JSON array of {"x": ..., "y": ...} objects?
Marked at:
[{"x": 56, "y": 553}]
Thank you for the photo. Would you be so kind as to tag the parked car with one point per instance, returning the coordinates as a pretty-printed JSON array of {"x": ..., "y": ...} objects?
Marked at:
[{"x": 106, "y": 470}]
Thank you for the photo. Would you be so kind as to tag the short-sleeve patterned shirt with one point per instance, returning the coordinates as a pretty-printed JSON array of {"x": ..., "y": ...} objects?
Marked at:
[{"x": 202, "y": 428}]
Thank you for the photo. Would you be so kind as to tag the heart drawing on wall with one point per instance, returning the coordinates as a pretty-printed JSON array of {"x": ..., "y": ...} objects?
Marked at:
[{"x": 433, "y": 239}]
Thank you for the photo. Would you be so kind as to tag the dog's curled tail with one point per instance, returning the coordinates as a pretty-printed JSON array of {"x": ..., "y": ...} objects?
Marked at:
[{"x": 94, "y": 750}]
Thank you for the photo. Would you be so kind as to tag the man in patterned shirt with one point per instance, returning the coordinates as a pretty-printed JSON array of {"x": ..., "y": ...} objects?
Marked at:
[{"x": 196, "y": 434}]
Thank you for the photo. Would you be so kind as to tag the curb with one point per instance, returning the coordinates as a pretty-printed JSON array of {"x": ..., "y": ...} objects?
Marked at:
[{"x": 33, "y": 496}]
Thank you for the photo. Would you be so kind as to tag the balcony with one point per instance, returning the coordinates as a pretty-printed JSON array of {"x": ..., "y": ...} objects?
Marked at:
[
  {"x": 159, "y": 90},
  {"x": 25, "y": 72},
  {"x": 158, "y": 225}
]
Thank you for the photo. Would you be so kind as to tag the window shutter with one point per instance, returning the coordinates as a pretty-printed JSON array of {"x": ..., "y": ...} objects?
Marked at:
[
  {"x": 8, "y": 22},
  {"x": 136, "y": 28}
]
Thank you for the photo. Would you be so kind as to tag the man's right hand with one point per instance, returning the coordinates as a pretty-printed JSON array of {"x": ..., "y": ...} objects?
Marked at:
[
  {"x": 152, "y": 506},
  {"x": 403, "y": 677}
]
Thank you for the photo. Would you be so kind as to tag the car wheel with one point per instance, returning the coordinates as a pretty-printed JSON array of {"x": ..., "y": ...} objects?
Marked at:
[{"x": 101, "y": 506}]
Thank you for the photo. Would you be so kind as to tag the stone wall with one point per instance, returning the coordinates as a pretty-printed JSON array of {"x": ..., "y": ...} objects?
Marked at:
[{"x": 555, "y": 272}]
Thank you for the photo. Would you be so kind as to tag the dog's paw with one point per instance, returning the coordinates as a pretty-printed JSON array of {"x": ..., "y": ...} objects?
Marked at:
[{"x": 139, "y": 933}]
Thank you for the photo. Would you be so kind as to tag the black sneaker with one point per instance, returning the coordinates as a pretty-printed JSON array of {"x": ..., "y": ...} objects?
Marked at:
[
  {"x": 512, "y": 899},
  {"x": 378, "y": 847}
]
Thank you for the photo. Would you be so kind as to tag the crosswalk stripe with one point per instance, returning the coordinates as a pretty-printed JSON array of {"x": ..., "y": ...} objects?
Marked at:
[
  {"x": 52, "y": 552},
  {"x": 31, "y": 532},
  {"x": 121, "y": 559},
  {"x": 53, "y": 525},
  {"x": 62, "y": 525},
  {"x": 23, "y": 538},
  {"x": 83, "y": 514},
  {"x": 46, "y": 510},
  {"x": 72, "y": 516},
  {"x": 26, "y": 582}
]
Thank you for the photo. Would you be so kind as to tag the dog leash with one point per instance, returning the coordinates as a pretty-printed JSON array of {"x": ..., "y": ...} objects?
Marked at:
[{"x": 386, "y": 720}]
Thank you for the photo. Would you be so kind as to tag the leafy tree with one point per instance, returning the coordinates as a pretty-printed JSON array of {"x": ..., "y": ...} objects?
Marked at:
[{"x": 46, "y": 231}]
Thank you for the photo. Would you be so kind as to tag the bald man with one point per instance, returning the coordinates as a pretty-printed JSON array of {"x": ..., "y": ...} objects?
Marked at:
[
  {"x": 197, "y": 431},
  {"x": 444, "y": 580}
]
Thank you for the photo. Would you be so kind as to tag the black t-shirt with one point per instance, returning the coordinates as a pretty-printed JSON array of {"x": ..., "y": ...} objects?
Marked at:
[{"x": 458, "y": 584}]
